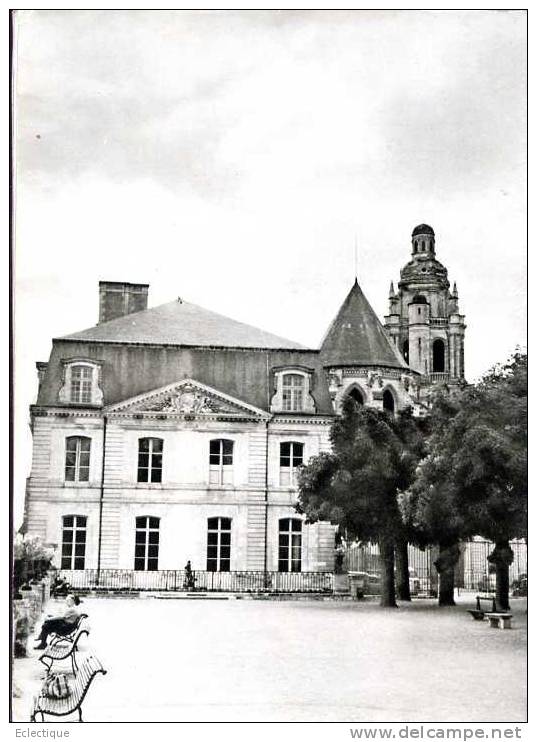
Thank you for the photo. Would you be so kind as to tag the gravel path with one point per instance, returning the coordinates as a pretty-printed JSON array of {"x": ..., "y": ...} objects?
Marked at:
[{"x": 247, "y": 660}]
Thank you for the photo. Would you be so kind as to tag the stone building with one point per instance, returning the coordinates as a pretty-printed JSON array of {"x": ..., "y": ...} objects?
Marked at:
[{"x": 172, "y": 433}]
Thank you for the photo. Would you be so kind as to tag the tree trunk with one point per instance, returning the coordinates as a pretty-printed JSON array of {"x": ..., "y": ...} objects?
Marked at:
[
  {"x": 502, "y": 557},
  {"x": 387, "y": 595},
  {"x": 403, "y": 577},
  {"x": 445, "y": 565}
]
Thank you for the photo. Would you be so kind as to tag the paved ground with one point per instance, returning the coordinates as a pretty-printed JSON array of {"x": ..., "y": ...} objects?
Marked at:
[{"x": 246, "y": 660}]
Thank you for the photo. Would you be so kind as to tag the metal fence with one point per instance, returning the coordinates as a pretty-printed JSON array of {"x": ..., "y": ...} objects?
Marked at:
[
  {"x": 473, "y": 570},
  {"x": 176, "y": 580}
]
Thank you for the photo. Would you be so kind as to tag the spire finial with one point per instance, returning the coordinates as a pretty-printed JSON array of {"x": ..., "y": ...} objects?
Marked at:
[
  {"x": 455, "y": 292},
  {"x": 355, "y": 259},
  {"x": 392, "y": 291}
]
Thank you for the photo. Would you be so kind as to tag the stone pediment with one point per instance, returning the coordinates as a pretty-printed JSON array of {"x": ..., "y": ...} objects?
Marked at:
[{"x": 187, "y": 397}]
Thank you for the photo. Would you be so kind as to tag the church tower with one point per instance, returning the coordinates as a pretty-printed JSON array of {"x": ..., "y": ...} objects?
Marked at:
[{"x": 424, "y": 322}]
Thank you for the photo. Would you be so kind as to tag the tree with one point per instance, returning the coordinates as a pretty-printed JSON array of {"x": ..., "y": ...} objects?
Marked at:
[
  {"x": 474, "y": 478},
  {"x": 356, "y": 485}
]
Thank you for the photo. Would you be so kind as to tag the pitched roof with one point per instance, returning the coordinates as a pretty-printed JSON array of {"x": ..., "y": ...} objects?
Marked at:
[
  {"x": 356, "y": 336},
  {"x": 182, "y": 323}
]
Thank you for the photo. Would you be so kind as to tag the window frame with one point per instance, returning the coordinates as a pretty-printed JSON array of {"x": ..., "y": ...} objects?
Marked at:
[
  {"x": 152, "y": 469},
  {"x": 79, "y": 525},
  {"x": 287, "y": 551},
  {"x": 220, "y": 534},
  {"x": 220, "y": 470},
  {"x": 288, "y": 472},
  {"x": 293, "y": 394},
  {"x": 146, "y": 543},
  {"x": 79, "y": 453}
]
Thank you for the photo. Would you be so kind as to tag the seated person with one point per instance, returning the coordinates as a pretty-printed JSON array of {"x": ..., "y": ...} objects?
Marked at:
[
  {"x": 61, "y": 624},
  {"x": 60, "y": 587}
]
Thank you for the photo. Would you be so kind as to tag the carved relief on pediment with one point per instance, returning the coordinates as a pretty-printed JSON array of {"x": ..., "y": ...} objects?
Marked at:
[{"x": 186, "y": 400}]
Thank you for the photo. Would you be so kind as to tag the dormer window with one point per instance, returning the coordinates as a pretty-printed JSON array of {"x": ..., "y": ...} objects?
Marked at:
[
  {"x": 292, "y": 391},
  {"x": 81, "y": 382}
]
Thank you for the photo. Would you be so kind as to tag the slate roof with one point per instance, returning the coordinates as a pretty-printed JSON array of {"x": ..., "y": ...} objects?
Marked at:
[
  {"x": 185, "y": 324},
  {"x": 356, "y": 336}
]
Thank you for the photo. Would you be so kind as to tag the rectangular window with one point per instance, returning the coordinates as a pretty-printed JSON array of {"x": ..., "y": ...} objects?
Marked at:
[
  {"x": 81, "y": 383},
  {"x": 291, "y": 457},
  {"x": 74, "y": 542},
  {"x": 293, "y": 392},
  {"x": 290, "y": 545},
  {"x": 221, "y": 461},
  {"x": 77, "y": 459},
  {"x": 146, "y": 543},
  {"x": 218, "y": 544},
  {"x": 150, "y": 459}
]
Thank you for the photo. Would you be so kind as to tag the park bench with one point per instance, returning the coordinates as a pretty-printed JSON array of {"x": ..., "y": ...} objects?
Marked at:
[
  {"x": 499, "y": 620},
  {"x": 478, "y": 613},
  {"x": 70, "y": 635},
  {"x": 63, "y": 650},
  {"x": 79, "y": 684}
]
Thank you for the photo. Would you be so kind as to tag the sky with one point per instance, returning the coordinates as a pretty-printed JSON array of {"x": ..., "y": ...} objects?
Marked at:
[{"x": 235, "y": 159}]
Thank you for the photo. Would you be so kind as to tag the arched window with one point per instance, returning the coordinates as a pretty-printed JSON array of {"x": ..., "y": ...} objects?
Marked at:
[
  {"x": 221, "y": 461},
  {"x": 388, "y": 401},
  {"x": 73, "y": 541},
  {"x": 147, "y": 543},
  {"x": 293, "y": 392},
  {"x": 150, "y": 459},
  {"x": 290, "y": 545},
  {"x": 356, "y": 395},
  {"x": 77, "y": 458},
  {"x": 218, "y": 544},
  {"x": 405, "y": 350},
  {"x": 291, "y": 457},
  {"x": 439, "y": 356}
]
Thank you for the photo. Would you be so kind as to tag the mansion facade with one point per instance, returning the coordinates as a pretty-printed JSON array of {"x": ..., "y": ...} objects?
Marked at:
[{"x": 172, "y": 433}]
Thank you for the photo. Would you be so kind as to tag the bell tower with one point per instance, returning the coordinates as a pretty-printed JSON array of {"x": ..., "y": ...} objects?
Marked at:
[{"x": 424, "y": 321}]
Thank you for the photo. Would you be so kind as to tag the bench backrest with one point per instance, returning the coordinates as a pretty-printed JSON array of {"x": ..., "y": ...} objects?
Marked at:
[
  {"x": 490, "y": 599},
  {"x": 87, "y": 670}
]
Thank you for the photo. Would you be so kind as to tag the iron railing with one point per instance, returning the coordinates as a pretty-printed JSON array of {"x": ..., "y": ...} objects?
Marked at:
[
  {"x": 176, "y": 580},
  {"x": 473, "y": 570}
]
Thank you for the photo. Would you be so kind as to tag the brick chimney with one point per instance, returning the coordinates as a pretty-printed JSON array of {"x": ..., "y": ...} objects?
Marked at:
[{"x": 117, "y": 299}]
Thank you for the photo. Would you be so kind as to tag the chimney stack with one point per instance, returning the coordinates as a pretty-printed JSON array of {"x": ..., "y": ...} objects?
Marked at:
[{"x": 117, "y": 299}]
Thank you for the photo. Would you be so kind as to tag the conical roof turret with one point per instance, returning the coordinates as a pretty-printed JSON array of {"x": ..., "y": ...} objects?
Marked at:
[{"x": 356, "y": 336}]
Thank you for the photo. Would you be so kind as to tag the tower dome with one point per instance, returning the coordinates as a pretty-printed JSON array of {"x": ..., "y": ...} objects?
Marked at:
[{"x": 422, "y": 229}]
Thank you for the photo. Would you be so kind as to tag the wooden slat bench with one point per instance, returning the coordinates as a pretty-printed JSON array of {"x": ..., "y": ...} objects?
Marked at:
[
  {"x": 70, "y": 635},
  {"x": 499, "y": 620},
  {"x": 478, "y": 613},
  {"x": 80, "y": 683},
  {"x": 63, "y": 650}
]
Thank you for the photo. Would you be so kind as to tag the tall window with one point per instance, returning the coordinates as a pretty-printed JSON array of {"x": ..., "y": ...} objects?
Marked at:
[
  {"x": 77, "y": 458},
  {"x": 147, "y": 542},
  {"x": 290, "y": 545},
  {"x": 388, "y": 401},
  {"x": 81, "y": 383},
  {"x": 291, "y": 457},
  {"x": 293, "y": 392},
  {"x": 150, "y": 459},
  {"x": 405, "y": 350},
  {"x": 218, "y": 544},
  {"x": 221, "y": 461},
  {"x": 439, "y": 356},
  {"x": 74, "y": 542}
]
